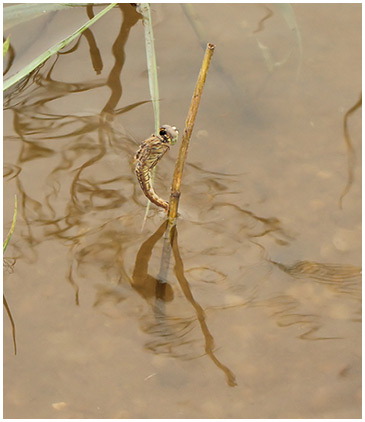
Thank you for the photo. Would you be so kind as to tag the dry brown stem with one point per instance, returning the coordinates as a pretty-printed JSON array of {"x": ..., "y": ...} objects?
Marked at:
[{"x": 189, "y": 124}]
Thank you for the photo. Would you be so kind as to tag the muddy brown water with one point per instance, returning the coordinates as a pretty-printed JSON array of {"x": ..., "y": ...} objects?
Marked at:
[{"x": 261, "y": 313}]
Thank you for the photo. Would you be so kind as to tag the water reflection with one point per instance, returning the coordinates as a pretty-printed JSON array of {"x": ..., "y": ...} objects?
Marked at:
[
  {"x": 300, "y": 307},
  {"x": 146, "y": 285},
  {"x": 173, "y": 329},
  {"x": 209, "y": 340},
  {"x": 130, "y": 18},
  {"x": 172, "y": 333},
  {"x": 287, "y": 312},
  {"x": 73, "y": 144},
  {"x": 12, "y": 322},
  {"x": 344, "y": 276},
  {"x": 268, "y": 15},
  {"x": 79, "y": 142},
  {"x": 350, "y": 150},
  {"x": 243, "y": 221},
  {"x": 225, "y": 297}
]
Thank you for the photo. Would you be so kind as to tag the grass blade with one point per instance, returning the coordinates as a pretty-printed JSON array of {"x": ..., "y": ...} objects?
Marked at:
[
  {"x": 47, "y": 54},
  {"x": 6, "y": 46},
  {"x": 145, "y": 10},
  {"x": 8, "y": 237}
]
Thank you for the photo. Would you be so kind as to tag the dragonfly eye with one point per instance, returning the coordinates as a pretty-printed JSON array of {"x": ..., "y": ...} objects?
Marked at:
[{"x": 169, "y": 134}]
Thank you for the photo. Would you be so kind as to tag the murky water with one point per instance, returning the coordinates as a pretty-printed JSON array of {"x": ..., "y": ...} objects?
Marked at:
[{"x": 261, "y": 313}]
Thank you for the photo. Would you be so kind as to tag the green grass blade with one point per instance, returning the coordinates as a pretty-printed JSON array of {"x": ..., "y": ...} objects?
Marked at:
[
  {"x": 8, "y": 237},
  {"x": 47, "y": 54},
  {"x": 6, "y": 46},
  {"x": 145, "y": 11}
]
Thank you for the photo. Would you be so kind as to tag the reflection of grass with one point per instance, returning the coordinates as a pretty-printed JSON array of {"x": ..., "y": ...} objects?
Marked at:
[
  {"x": 350, "y": 150},
  {"x": 53, "y": 50},
  {"x": 5, "y": 244}
]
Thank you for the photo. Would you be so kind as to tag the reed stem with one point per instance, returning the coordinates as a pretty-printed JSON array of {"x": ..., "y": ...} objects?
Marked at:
[{"x": 189, "y": 124}]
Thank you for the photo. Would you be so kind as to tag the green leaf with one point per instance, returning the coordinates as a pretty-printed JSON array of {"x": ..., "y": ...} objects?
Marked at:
[
  {"x": 6, "y": 46},
  {"x": 57, "y": 47}
]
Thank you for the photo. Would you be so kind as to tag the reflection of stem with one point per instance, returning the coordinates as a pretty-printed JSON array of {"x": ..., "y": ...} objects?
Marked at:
[
  {"x": 73, "y": 284},
  {"x": 165, "y": 260},
  {"x": 184, "y": 284},
  {"x": 350, "y": 150},
  {"x": 94, "y": 51},
  {"x": 144, "y": 255},
  {"x": 146, "y": 285},
  {"x": 11, "y": 321}
]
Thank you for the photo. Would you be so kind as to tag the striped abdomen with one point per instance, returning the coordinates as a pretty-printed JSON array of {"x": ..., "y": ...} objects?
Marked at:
[{"x": 148, "y": 155}]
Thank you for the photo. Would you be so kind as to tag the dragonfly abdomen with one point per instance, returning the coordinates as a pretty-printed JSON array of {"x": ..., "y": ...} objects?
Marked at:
[{"x": 147, "y": 157}]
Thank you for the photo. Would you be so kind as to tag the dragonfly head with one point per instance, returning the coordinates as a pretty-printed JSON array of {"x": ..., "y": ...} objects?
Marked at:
[{"x": 168, "y": 134}]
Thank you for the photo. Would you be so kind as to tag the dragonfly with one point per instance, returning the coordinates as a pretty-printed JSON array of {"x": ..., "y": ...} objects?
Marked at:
[{"x": 147, "y": 157}]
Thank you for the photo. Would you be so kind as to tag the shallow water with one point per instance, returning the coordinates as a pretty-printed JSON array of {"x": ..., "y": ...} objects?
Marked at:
[{"x": 261, "y": 313}]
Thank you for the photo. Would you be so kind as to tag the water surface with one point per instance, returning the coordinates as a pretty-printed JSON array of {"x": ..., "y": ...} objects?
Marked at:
[{"x": 261, "y": 313}]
